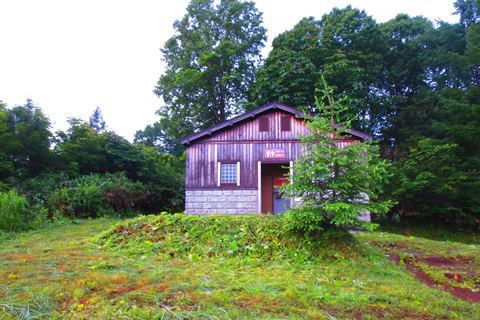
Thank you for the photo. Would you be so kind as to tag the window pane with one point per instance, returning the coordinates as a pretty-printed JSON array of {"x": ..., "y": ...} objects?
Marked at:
[
  {"x": 229, "y": 173},
  {"x": 285, "y": 123},
  {"x": 263, "y": 124}
]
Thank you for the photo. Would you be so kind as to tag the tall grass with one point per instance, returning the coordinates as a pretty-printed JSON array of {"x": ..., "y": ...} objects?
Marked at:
[{"x": 15, "y": 212}]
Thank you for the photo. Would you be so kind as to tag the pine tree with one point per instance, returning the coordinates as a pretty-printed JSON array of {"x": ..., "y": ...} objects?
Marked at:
[
  {"x": 336, "y": 182},
  {"x": 96, "y": 120}
]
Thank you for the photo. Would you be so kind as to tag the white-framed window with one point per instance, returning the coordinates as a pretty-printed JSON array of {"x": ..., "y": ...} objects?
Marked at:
[{"x": 228, "y": 173}]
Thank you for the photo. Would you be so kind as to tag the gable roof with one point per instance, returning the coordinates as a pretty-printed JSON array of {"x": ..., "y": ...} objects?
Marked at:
[{"x": 255, "y": 112}]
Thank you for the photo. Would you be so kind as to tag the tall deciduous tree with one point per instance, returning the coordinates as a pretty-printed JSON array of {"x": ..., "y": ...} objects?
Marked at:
[
  {"x": 24, "y": 141},
  {"x": 7, "y": 145},
  {"x": 81, "y": 149},
  {"x": 210, "y": 63},
  {"x": 292, "y": 69},
  {"x": 346, "y": 46}
]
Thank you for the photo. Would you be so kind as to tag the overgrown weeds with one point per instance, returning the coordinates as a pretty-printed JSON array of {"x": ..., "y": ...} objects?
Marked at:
[
  {"x": 16, "y": 213},
  {"x": 197, "y": 237}
]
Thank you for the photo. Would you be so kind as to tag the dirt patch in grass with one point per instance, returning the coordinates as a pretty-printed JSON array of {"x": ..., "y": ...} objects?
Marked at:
[
  {"x": 20, "y": 256},
  {"x": 448, "y": 262},
  {"x": 249, "y": 301},
  {"x": 379, "y": 312},
  {"x": 456, "y": 268},
  {"x": 392, "y": 313}
]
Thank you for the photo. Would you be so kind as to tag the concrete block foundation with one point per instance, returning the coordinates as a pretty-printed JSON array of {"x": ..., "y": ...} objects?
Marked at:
[{"x": 237, "y": 201}]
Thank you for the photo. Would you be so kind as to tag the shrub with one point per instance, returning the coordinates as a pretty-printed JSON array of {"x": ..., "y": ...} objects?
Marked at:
[
  {"x": 15, "y": 212},
  {"x": 94, "y": 195},
  {"x": 38, "y": 190},
  {"x": 82, "y": 198},
  {"x": 122, "y": 194}
]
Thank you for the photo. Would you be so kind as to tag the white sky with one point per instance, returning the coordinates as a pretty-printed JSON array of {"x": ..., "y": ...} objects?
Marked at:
[{"x": 71, "y": 56}]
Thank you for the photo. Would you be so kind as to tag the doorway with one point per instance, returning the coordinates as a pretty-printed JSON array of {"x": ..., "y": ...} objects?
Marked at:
[{"x": 274, "y": 175}]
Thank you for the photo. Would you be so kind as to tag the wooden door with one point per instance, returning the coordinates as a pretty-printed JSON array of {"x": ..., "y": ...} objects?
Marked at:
[{"x": 267, "y": 194}]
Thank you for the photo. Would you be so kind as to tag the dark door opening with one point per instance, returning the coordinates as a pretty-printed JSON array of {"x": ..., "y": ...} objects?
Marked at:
[{"x": 274, "y": 175}]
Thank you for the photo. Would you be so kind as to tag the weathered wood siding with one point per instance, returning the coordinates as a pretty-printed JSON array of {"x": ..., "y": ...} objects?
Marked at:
[
  {"x": 202, "y": 161},
  {"x": 248, "y": 130},
  {"x": 242, "y": 143}
]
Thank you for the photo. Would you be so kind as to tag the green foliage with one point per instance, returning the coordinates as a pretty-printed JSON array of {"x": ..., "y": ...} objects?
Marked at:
[
  {"x": 81, "y": 149},
  {"x": 154, "y": 136},
  {"x": 38, "y": 190},
  {"x": 442, "y": 191},
  {"x": 210, "y": 63},
  {"x": 343, "y": 182},
  {"x": 473, "y": 44},
  {"x": 353, "y": 48},
  {"x": 405, "y": 61},
  {"x": 306, "y": 219},
  {"x": 164, "y": 175},
  {"x": 94, "y": 195},
  {"x": 215, "y": 236},
  {"x": 346, "y": 47},
  {"x": 409, "y": 80},
  {"x": 82, "y": 198},
  {"x": 469, "y": 11},
  {"x": 25, "y": 142},
  {"x": 291, "y": 71},
  {"x": 437, "y": 176},
  {"x": 15, "y": 212}
]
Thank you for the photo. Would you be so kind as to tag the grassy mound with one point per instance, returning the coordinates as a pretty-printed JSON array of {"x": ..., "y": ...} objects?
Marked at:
[{"x": 196, "y": 237}]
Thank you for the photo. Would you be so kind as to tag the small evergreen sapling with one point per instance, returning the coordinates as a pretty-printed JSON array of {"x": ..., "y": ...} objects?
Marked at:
[{"x": 336, "y": 182}]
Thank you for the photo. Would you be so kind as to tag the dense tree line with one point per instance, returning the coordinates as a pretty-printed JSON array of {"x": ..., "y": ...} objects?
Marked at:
[
  {"x": 414, "y": 85},
  {"x": 416, "y": 88},
  {"x": 85, "y": 169}
]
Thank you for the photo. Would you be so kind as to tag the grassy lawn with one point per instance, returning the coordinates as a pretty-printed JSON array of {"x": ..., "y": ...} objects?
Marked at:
[{"x": 141, "y": 270}]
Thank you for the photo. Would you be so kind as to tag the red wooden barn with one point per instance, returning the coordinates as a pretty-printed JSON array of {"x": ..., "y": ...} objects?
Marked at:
[{"x": 237, "y": 166}]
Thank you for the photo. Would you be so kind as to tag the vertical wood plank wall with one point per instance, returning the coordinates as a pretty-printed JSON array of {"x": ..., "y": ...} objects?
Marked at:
[{"x": 242, "y": 143}]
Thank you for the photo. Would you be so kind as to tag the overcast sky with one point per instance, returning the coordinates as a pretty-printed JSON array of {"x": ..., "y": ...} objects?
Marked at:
[{"x": 71, "y": 56}]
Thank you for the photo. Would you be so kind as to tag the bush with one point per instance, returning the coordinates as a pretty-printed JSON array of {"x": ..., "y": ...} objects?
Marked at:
[
  {"x": 122, "y": 194},
  {"x": 94, "y": 195},
  {"x": 83, "y": 198},
  {"x": 100, "y": 194},
  {"x": 15, "y": 212},
  {"x": 38, "y": 190}
]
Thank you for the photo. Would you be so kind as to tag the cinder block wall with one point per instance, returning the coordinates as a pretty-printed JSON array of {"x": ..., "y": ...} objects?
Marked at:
[{"x": 236, "y": 201}]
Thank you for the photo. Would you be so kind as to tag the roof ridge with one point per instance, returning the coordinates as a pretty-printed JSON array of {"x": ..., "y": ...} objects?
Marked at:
[{"x": 251, "y": 113}]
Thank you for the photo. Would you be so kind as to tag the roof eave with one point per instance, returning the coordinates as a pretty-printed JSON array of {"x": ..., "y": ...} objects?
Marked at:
[
  {"x": 250, "y": 114},
  {"x": 253, "y": 113}
]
